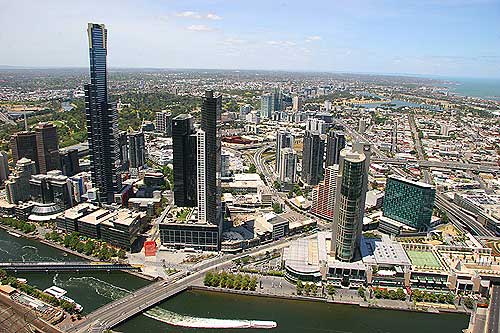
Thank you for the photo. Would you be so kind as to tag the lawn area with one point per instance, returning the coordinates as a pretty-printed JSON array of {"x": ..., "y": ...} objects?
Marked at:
[{"x": 423, "y": 259}]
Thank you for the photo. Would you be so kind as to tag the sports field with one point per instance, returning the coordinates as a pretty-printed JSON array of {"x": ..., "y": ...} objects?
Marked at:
[{"x": 423, "y": 259}]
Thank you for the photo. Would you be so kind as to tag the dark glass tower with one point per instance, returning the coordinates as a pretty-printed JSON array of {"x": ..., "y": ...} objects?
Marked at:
[
  {"x": 210, "y": 118},
  {"x": 312, "y": 158},
  {"x": 23, "y": 144},
  {"x": 136, "y": 149},
  {"x": 47, "y": 147},
  {"x": 102, "y": 119},
  {"x": 184, "y": 161},
  {"x": 335, "y": 142}
]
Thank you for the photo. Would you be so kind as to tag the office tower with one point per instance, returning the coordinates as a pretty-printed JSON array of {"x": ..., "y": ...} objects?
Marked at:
[
  {"x": 136, "y": 150},
  {"x": 210, "y": 119},
  {"x": 266, "y": 106},
  {"x": 296, "y": 103},
  {"x": 316, "y": 125},
  {"x": 253, "y": 117},
  {"x": 23, "y": 145},
  {"x": 277, "y": 99},
  {"x": 284, "y": 139},
  {"x": 53, "y": 187},
  {"x": 362, "y": 126},
  {"x": 244, "y": 110},
  {"x": 4, "y": 166},
  {"x": 164, "y": 122},
  {"x": 17, "y": 186},
  {"x": 335, "y": 142},
  {"x": 444, "y": 129},
  {"x": 102, "y": 120},
  {"x": 184, "y": 160},
  {"x": 123, "y": 151},
  {"x": 328, "y": 106},
  {"x": 409, "y": 202},
  {"x": 287, "y": 170},
  {"x": 47, "y": 147},
  {"x": 312, "y": 158},
  {"x": 69, "y": 161},
  {"x": 201, "y": 174},
  {"x": 350, "y": 199},
  {"x": 323, "y": 195}
]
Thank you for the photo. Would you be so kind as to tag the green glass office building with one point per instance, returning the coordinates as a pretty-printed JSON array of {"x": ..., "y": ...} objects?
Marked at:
[{"x": 409, "y": 202}]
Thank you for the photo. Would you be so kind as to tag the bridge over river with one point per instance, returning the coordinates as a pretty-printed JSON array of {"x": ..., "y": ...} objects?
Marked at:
[{"x": 65, "y": 266}]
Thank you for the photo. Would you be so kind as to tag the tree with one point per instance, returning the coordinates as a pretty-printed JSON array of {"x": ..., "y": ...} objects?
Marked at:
[
  {"x": 277, "y": 185},
  {"x": 277, "y": 208},
  {"x": 300, "y": 287},
  {"x": 330, "y": 289},
  {"x": 252, "y": 168}
]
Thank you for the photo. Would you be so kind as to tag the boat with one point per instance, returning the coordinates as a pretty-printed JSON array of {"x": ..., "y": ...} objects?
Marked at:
[
  {"x": 60, "y": 293},
  {"x": 21, "y": 280}
]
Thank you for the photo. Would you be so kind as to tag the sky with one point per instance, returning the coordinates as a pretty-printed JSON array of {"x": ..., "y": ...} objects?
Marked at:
[{"x": 459, "y": 38}]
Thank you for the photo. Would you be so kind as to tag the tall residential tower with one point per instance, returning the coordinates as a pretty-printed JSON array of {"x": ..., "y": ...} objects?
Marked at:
[{"x": 102, "y": 119}]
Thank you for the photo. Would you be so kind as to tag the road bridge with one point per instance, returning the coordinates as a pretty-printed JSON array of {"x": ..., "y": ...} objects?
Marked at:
[{"x": 64, "y": 266}]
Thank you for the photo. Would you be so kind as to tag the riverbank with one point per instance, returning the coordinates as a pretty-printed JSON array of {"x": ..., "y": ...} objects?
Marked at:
[
  {"x": 362, "y": 304},
  {"x": 40, "y": 239}
]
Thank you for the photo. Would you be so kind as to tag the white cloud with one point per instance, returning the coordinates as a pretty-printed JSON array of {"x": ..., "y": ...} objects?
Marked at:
[
  {"x": 234, "y": 41},
  {"x": 196, "y": 15},
  {"x": 312, "y": 39},
  {"x": 189, "y": 14},
  {"x": 212, "y": 16},
  {"x": 200, "y": 27}
]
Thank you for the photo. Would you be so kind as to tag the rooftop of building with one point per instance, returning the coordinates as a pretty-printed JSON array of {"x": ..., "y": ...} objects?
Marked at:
[
  {"x": 383, "y": 251},
  {"x": 79, "y": 210},
  {"x": 411, "y": 182}
]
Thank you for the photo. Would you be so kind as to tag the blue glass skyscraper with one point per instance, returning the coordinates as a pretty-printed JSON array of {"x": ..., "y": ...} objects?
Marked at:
[{"x": 102, "y": 119}]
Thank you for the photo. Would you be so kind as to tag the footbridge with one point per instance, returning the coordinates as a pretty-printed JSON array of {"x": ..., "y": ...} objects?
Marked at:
[{"x": 65, "y": 266}]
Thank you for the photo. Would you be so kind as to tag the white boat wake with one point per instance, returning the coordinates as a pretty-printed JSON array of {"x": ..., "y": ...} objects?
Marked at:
[{"x": 175, "y": 319}]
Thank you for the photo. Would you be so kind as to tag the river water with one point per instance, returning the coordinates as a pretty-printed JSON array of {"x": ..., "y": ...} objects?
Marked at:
[{"x": 93, "y": 290}]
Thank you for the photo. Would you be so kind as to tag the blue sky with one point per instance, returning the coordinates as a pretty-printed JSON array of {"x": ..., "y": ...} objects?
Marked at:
[{"x": 430, "y": 37}]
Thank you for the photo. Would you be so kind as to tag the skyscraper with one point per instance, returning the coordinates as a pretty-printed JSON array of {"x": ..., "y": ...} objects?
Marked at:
[
  {"x": 349, "y": 202},
  {"x": 312, "y": 158},
  {"x": 164, "y": 122},
  {"x": 210, "y": 117},
  {"x": 4, "y": 166},
  {"x": 184, "y": 160},
  {"x": 296, "y": 103},
  {"x": 70, "y": 164},
  {"x": 23, "y": 144},
  {"x": 47, "y": 147},
  {"x": 266, "y": 106},
  {"x": 284, "y": 139},
  {"x": 102, "y": 119},
  {"x": 136, "y": 150},
  {"x": 335, "y": 142},
  {"x": 287, "y": 170},
  {"x": 323, "y": 195},
  {"x": 277, "y": 99}
]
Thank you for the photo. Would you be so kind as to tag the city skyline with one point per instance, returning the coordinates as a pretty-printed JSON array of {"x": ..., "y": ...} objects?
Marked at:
[{"x": 427, "y": 38}]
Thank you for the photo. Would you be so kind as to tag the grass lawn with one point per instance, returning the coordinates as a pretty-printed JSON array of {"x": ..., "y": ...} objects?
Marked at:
[{"x": 420, "y": 258}]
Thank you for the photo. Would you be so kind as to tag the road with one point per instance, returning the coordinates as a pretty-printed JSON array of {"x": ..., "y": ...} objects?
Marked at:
[
  {"x": 460, "y": 217},
  {"x": 493, "y": 320}
]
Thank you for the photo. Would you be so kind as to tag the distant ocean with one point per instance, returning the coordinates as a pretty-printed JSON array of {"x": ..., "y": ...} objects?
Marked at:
[{"x": 483, "y": 88}]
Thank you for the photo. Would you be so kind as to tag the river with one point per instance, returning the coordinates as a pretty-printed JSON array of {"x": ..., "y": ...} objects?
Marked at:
[{"x": 93, "y": 290}]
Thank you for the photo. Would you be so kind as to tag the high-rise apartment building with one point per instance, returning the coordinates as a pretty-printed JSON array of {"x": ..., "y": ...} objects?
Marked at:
[
  {"x": 211, "y": 109},
  {"x": 184, "y": 160},
  {"x": 163, "y": 122},
  {"x": 70, "y": 164},
  {"x": 316, "y": 125},
  {"x": 17, "y": 186},
  {"x": 335, "y": 142},
  {"x": 323, "y": 195},
  {"x": 47, "y": 145},
  {"x": 136, "y": 150},
  {"x": 350, "y": 199},
  {"x": 284, "y": 139},
  {"x": 312, "y": 158},
  {"x": 244, "y": 110},
  {"x": 102, "y": 120},
  {"x": 288, "y": 166},
  {"x": 409, "y": 202}
]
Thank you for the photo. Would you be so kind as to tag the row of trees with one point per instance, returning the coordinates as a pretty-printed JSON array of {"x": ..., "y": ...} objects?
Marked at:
[
  {"x": 23, "y": 226},
  {"x": 230, "y": 281},
  {"x": 398, "y": 294},
  {"x": 88, "y": 246},
  {"x": 423, "y": 296},
  {"x": 6, "y": 279},
  {"x": 306, "y": 288}
]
